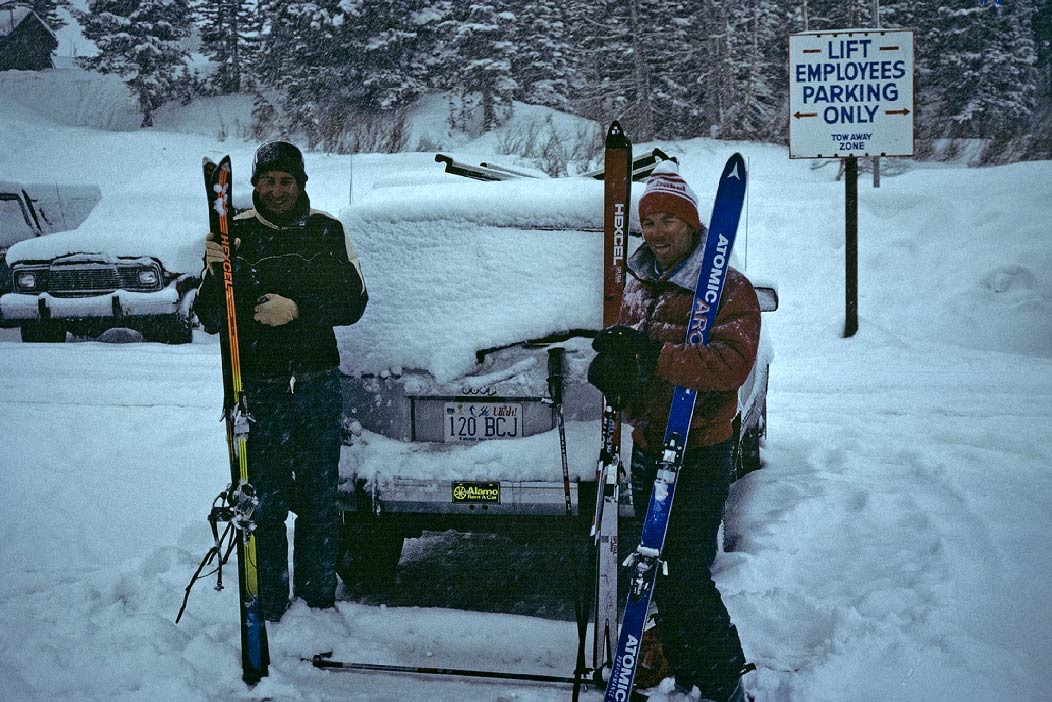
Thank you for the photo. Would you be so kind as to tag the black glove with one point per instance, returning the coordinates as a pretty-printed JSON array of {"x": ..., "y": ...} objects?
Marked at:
[
  {"x": 626, "y": 341},
  {"x": 616, "y": 376},
  {"x": 624, "y": 363}
]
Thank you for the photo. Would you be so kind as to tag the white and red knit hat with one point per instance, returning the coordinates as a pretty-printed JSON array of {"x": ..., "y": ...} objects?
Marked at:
[{"x": 666, "y": 191}]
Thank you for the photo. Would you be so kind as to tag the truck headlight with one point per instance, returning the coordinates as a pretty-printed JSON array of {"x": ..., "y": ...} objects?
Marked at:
[
  {"x": 26, "y": 280},
  {"x": 148, "y": 277}
]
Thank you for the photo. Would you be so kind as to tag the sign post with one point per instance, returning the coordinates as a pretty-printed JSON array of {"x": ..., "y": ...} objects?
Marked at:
[
  {"x": 851, "y": 247},
  {"x": 851, "y": 96}
]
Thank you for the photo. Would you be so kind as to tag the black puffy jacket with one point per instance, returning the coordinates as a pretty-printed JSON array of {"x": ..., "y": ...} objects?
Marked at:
[{"x": 310, "y": 261}]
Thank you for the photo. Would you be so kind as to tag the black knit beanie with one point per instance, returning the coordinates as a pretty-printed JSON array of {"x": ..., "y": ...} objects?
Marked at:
[{"x": 279, "y": 156}]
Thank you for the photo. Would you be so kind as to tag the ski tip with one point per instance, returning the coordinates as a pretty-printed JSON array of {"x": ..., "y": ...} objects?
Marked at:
[
  {"x": 615, "y": 130},
  {"x": 735, "y": 168}
]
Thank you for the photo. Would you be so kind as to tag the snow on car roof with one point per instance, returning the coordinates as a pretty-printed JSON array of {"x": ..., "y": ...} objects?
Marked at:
[
  {"x": 456, "y": 268},
  {"x": 528, "y": 203}
]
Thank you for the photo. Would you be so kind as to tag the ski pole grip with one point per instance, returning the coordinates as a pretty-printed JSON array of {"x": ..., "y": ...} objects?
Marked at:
[{"x": 556, "y": 356}]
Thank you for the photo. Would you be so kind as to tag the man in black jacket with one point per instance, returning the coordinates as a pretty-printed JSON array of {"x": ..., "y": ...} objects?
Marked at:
[{"x": 296, "y": 277}]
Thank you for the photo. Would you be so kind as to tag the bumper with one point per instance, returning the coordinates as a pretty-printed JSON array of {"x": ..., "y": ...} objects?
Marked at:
[
  {"x": 417, "y": 506},
  {"x": 403, "y": 496},
  {"x": 16, "y": 308}
]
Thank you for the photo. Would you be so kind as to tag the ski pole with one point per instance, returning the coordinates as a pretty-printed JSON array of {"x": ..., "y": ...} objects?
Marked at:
[
  {"x": 324, "y": 660},
  {"x": 555, "y": 389},
  {"x": 556, "y": 356}
]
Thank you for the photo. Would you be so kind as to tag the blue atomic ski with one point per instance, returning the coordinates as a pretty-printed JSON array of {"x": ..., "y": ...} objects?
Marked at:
[{"x": 646, "y": 561}]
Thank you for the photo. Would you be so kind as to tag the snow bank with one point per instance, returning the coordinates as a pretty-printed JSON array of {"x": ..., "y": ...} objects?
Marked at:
[{"x": 73, "y": 97}]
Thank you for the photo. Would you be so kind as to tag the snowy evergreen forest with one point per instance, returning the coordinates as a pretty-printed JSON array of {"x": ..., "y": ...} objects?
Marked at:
[{"x": 343, "y": 72}]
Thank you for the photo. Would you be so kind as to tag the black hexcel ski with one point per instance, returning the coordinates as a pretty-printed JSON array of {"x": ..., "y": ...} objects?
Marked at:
[{"x": 239, "y": 501}]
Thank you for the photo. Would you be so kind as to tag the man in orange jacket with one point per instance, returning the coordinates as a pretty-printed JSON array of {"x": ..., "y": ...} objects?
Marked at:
[{"x": 638, "y": 363}]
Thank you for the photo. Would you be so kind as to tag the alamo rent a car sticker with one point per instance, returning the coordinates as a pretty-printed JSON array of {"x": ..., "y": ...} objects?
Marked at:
[{"x": 476, "y": 493}]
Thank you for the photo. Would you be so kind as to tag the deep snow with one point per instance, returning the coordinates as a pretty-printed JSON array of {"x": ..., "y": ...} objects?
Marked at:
[{"x": 892, "y": 548}]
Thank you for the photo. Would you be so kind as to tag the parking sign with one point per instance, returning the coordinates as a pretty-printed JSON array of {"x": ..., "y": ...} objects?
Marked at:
[{"x": 851, "y": 93}]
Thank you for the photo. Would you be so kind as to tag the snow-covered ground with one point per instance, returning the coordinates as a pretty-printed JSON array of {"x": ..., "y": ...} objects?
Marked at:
[{"x": 893, "y": 547}]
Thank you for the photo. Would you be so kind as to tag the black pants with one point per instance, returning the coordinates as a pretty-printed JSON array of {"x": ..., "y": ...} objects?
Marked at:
[
  {"x": 294, "y": 458},
  {"x": 701, "y": 644}
]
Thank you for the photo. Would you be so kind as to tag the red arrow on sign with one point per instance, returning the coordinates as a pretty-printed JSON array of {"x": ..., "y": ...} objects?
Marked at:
[
  {"x": 903, "y": 111},
  {"x": 799, "y": 114}
]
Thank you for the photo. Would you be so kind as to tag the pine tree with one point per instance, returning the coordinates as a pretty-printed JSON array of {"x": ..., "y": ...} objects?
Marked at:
[
  {"x": 620, "y": 55},
  {"x": 230, "y": 33},
  {"x": 598, "y": 43},
  {"x": 982, "y": 61},
  {"x": 144, "y": 42},
  {"x": 379, "y": 51},
  {"x": 757, "y": 55},
  {"x": 839, "y": 14},
  {"x": 683, "y": 69},
  {"x": 544, "y": 64},
  {"x": 665, "y": 80},
  {"x": 342, "y": 70},
  {"x": 1042, "y": 26},
  {"x": 481, "y": 52},
  {"x": 297, "y": 61},
  {"x": 1039, "y": 146}
]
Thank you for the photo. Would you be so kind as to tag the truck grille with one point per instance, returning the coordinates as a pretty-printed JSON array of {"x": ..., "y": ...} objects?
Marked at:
[
  {"x": 96, "y": 279},
  {"x": 100, "y": 279}
]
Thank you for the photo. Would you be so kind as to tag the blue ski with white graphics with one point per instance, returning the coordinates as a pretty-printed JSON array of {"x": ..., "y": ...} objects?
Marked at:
[{"x": 646, "y": 561}]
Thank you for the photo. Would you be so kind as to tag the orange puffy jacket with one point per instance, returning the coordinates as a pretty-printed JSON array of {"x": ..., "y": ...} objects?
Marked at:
[{"x": 660, "y": 306}]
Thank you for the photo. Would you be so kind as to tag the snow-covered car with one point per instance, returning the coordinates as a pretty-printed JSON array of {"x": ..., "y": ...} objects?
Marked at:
[
  {"x": 104, "y": 274},
  {"x": 29, "y": 210},
  {"x": 446, "y": 389}
]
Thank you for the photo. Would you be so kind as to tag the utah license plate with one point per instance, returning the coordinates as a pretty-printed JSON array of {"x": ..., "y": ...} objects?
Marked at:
[{"x": 481, "y": 421}]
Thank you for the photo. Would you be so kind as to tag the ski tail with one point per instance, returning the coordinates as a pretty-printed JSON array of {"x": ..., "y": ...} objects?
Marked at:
[
  {"x": 645, "y": 563},
  {"x": 255, "y": 653}
]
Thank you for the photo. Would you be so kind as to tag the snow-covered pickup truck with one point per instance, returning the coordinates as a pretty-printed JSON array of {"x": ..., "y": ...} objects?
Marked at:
[
  {"x": 448, "y": 415},
  {"x": 104, "y": 274}
]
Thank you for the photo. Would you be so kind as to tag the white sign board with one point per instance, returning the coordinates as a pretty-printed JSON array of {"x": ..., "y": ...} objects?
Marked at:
[{"x": 851, "y": 93}]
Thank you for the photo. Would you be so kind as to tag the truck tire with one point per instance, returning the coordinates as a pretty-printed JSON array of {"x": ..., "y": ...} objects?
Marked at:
[
  {"x": 43, "y": 332},
  {"x": 750, "y": 451},
  {"x": 749, "y": 446}
]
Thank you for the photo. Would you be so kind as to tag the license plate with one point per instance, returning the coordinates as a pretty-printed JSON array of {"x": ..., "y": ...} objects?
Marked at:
[{"x": 481, "y": 421}]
